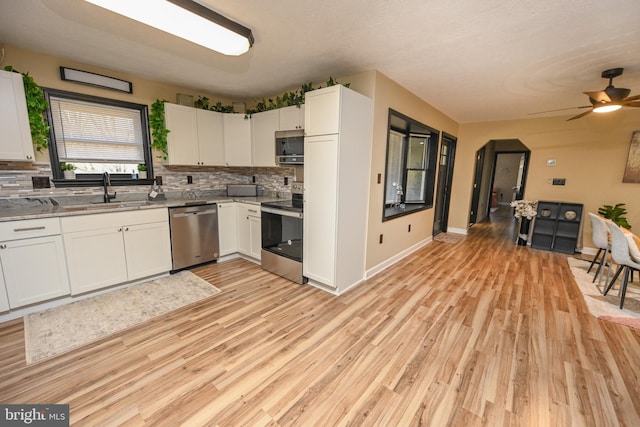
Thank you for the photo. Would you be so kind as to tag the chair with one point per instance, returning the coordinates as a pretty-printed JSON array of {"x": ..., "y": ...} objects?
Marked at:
[
  {"x": 600, "y": 237},
  {"x": 620, "y": 253}
]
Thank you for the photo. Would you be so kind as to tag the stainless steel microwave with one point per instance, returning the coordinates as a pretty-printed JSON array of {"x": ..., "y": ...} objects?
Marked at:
[{"x": 290, "y": 147}]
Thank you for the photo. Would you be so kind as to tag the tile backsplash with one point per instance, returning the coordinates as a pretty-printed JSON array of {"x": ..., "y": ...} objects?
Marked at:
[{"x": 17, "y": 182}]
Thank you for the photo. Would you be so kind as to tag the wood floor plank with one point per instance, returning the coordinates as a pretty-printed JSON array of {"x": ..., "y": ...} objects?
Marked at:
[{"x": 476, "y": 333}]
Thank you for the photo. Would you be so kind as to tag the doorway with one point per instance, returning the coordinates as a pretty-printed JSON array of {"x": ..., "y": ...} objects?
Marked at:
[
  {"x": 445, "y": 177},
  {"x": 509, "y": 176},
  {"x": 488, "y": 173}
]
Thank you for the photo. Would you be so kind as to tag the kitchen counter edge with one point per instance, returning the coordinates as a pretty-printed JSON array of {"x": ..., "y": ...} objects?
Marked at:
[{"x": 44, "y": 211}]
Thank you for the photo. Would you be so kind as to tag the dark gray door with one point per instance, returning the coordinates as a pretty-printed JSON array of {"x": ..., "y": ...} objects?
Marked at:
[
  {"x": 477, "y": 181},
  {"x": 445, "y": 177}
]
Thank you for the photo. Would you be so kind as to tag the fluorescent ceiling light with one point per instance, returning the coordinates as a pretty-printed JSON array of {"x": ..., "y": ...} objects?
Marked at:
[
  {"x": 606, "y": 108},
  {"x": 188, "y": 20}
]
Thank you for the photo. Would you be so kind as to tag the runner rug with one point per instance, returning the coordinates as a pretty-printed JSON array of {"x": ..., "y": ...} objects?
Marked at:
[
  {"x": 60, "y": 329},
  {"x": 448, "y": 237},
  {"x": 607, "y": 307}
]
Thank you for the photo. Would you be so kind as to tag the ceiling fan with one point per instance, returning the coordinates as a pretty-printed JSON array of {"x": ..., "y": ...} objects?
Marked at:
[{"x": 610, "y": 99}]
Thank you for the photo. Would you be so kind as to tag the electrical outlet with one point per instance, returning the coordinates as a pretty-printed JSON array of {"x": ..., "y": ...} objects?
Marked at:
[
  {"x": 558, "y": 181},
  {"x": 40, "y": 182},
  {"x": 189, "y": 179},
  {"x": 286, "y": 180},
  {"x": 158, "y": 180},
  {"x": 381, "y": 239}
]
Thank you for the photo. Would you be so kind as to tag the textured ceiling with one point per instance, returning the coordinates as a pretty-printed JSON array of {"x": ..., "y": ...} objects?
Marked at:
[{"x": 475, "y": 60}]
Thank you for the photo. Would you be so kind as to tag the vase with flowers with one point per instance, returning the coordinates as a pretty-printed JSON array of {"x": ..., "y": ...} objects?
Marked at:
[{"x": 525, "y": 211}]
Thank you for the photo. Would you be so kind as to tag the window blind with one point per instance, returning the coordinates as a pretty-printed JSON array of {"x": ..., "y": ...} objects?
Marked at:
[{"x": 96, "y": 133}]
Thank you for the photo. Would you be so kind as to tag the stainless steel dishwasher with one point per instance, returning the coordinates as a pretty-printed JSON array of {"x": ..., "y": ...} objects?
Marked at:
[{"x": 194, "y": 235}]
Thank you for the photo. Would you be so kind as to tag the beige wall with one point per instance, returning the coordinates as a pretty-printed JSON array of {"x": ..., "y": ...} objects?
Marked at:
[
  {"x": 389, "y": 94},
  {"x": 590, "y": 153}
]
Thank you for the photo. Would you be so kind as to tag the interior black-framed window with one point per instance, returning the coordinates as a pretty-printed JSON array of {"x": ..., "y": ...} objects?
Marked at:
[
  {"x": 410, "y": 170},
  {"x": 97, "y": 135}
]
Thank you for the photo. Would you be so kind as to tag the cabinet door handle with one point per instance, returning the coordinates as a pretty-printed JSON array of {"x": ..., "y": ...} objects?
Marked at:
[
  {"x": 119, "y": 230},
  {"x": 252, "y": 210},
  {"x": 29, "y": 228},
  {"x": 126, "y": 229},
  {"x": 3, "y": 246}
]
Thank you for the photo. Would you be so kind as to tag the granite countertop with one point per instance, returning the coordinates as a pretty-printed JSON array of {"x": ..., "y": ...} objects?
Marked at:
[{"x": 21, "y": 209}]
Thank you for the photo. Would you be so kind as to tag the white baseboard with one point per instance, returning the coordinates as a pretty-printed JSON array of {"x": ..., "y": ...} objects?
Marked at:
[{"x": 397, "y": 257}]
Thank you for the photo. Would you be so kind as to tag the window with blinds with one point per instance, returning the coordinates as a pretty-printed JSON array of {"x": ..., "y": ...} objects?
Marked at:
[{"x": 97, "y": 135}]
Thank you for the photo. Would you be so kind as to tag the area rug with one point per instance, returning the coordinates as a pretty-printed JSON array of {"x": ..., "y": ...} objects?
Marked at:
[
  {"x": 448, "y": 237},
  {"x": 60, "y": 329},
  {"x": 607, "y": 307}
]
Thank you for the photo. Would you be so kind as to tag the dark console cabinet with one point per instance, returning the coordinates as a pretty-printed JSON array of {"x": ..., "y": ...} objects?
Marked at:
[{"x": 557, "y": 226}]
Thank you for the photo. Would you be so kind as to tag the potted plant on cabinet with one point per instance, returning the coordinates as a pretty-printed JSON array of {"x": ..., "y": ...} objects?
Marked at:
[
  {"x": 142, "y": 171},
  {"x": 68, "y": 170}
]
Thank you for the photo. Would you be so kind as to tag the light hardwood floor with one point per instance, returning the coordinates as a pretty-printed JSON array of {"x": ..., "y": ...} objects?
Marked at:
[{"x": 480, "y": 332}]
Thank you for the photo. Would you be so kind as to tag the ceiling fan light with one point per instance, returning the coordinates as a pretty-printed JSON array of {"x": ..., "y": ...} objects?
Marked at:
[
  {"x": 187, "y": 20},
  {"x": 606, "y": 108}
]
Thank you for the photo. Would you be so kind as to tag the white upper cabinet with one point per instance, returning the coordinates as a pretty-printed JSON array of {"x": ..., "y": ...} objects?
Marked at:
[
  {"x": 322, "y": 111},
  {"x": 263, "y": 128},
  {"x": 291, "y": 117},
  {"x": 237, "y": 140},
  {"x": 195, "y": 137},
  {"x": 210, "y": 138},
  {"x": 15, "y": 133},
  {"x": 182, "y": 140}
]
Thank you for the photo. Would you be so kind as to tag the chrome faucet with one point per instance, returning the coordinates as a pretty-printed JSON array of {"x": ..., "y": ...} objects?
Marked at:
[{"x": 106, "y": 181}]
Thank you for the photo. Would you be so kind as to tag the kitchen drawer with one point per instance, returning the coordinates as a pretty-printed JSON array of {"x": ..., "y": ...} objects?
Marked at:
[{"x": 15, "y": 230}]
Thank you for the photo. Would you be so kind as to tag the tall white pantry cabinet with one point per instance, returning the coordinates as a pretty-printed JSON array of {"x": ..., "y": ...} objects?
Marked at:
[{"x": 337, "y": 151}]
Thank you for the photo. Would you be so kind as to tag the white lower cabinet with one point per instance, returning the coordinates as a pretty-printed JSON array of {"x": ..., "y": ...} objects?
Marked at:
[
  {"x": 249, "y": 230},
  {"x": 32, "y": 261},
  {"x": 227, "y": 221},
  {"x": 112, "y": 248},
  {"x": 4, "y": 301}
]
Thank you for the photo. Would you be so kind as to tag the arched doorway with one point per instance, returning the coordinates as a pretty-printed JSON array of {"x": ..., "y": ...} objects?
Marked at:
[{"x": 501, "y": 164}]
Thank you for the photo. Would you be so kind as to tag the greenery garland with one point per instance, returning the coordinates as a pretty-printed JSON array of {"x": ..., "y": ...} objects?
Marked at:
[
  {"x": 159, "y": 131},
  {"x": 36, "y": 108},
  {"x": 285, "y": 100}
]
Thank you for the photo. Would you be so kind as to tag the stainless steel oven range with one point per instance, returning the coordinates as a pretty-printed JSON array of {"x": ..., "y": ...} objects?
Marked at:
[{"x": 282, "y": 236}]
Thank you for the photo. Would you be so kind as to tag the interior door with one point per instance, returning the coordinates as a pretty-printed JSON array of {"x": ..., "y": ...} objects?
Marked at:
[
  {"x": 477, "y": 181},
  {"x": 445, "y": 177}
]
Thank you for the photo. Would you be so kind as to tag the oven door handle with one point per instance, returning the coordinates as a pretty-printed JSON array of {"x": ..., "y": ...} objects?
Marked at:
[{"x": 282, "y": 212}]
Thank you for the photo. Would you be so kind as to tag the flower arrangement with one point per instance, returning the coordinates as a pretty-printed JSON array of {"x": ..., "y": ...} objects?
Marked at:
[{"x": 524, "y": 208}]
